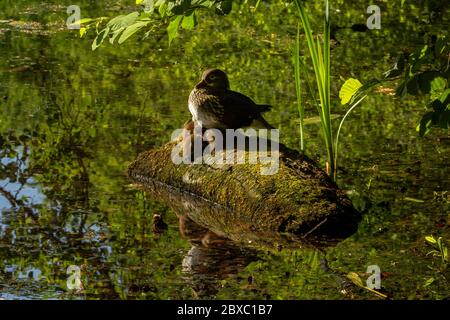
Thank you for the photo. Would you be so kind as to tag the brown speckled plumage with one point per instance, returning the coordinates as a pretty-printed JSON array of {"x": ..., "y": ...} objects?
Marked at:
[{"x": 213, "y": 104}]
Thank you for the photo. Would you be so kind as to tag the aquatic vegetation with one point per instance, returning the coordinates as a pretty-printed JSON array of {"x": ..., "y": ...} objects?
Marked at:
[{"x": 320, "y": 57}]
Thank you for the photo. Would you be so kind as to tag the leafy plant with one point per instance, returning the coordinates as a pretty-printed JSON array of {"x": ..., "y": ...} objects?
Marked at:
[
  {"x": 352, "y": 92},
  {"x": 151, "y": 16},
  {"x": 426, "y": 71},
  {"x": 320, "y": 57},
  {"x": 440, "y": 249}
]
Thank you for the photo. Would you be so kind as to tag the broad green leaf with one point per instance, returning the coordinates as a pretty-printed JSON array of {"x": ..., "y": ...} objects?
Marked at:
[
  {"x": 437, "y": 85},
  {"x": 172, "y": 29},
  {"x": 190, "y": 21},
  {"x": 139, "y": 1},
  {"x": 123, "y": 21},
  {"x": 131, "y": 30},
  {"x": 348, "y": 90},
  {"x": 430, "y": 239}
]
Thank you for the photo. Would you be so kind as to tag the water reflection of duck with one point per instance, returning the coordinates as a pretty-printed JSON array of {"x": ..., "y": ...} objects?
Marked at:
[
  {"x": 211, "y": 258},
  {"x": 198, "y": 235}
]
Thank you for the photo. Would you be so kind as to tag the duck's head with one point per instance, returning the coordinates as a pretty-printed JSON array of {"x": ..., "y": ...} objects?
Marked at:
[{"x": 214, "y": 79}]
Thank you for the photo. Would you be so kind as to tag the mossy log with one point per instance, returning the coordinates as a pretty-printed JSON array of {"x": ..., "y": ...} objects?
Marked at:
[{"x": 237, "y": 202}]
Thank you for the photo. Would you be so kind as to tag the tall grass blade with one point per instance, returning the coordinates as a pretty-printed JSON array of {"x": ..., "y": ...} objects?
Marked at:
[{"x": 300, "y": 105}]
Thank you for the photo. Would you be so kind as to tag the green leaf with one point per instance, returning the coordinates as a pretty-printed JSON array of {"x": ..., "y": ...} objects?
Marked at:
[
  {"x": 81, "y": 21},
  {"x": 430, "y": 239},
  {"x": 348, "y": 90},
  {"x": 420, "y": 53},
  {"x": 428, "y": 282},
  {"x": 425, "y": 124},
  {"x": 397, "y": 68},
  {"x": 131, "y": 30},
  {"x": 149, "y": 5},
  {"x": 100, "y": 38},
  {"x": 354, "y": 277},
  {"x": 445, "y": 97},
  {"x": 190, "y": 21},
  {"x": 413, "y": 199},
  {"x": 162, "y": 9},
  {"x": 82, "y": 32},
  {"x": 425, "y": 81},
  {"x": 123, "y": 21},
  {"x": 172, "y": 29},
  {"x": 181, "y": 7},
  {"x": 115, "y": 34}
]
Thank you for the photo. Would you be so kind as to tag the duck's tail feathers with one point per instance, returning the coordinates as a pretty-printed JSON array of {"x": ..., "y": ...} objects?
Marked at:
[{"x": 264, "y": 107}]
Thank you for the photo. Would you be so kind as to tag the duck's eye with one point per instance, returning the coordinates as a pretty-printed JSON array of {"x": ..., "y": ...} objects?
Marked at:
[{"x": 212, "y": 77}]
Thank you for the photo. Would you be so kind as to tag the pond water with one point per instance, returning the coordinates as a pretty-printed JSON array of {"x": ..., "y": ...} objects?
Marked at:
[{"x": 72, "y": 119}]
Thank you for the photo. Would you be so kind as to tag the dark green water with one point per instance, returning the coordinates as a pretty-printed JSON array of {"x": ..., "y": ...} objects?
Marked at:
[{"x": 72, "y": 120}]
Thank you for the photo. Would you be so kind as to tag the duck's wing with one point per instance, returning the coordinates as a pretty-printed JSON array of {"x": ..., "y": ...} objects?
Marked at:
[{"x": 240, "y": 110}]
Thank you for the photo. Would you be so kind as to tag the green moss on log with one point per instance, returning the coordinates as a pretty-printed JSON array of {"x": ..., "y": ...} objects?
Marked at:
[{"x": 300, "y": 199}]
